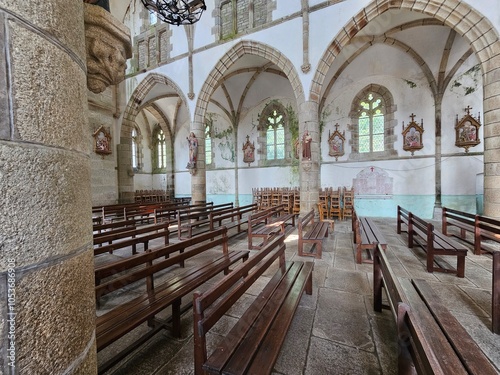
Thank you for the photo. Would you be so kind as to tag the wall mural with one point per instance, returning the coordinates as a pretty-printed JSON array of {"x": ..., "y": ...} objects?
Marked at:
[
  {"x": 467, "y": 130},
  {"x": 373, "y": 181},
  {"x": 412, "y": 135},
  {"x": 336, "y": 143}
]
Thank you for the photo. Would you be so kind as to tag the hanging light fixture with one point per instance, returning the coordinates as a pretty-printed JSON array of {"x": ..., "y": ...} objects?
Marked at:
[{"x": 177, "y": 12}]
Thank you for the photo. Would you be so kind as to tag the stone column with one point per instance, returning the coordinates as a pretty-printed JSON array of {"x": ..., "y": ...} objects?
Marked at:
[
  {"x": 47, "y": 308},
  {"x": 309, "y": 169}
]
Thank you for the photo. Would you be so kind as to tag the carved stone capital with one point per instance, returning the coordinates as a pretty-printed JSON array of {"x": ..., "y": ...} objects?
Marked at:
[{"x": 108, "y": 47}]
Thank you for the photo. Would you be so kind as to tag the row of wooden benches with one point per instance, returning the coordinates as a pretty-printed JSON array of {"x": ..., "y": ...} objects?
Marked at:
[
  {"x": 259, "y": 224},
  {"x": 256, "y": 339}
]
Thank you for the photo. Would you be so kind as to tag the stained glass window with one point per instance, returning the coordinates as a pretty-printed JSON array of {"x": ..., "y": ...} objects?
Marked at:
[
  {"x": 160, "y": 148},
  {"x": 275, "y": 136},
  {"x": 208, "y": 145},
  {"x": 135, "y": 149},
  {"x": 371, "y": 125}
]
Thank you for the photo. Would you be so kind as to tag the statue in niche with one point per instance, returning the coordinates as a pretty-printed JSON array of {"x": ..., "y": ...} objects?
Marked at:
[
  {"x": 193, "y": 151},
  {"x": 336, "y": 143},
  {"x": 102, "y": 141},
  {"x": 467, "y": 130},
  {"x": 412, "y": 135},
  {"x": 306, "y": 146},
  {"x": 248, "y": 151}
]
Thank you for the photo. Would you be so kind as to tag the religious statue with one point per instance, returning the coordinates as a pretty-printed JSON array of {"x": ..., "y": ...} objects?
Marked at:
[
  {"x": 248, "y": 151},
  {"x": 193, "y": 151},
  {"x": 306, "y": 146}
]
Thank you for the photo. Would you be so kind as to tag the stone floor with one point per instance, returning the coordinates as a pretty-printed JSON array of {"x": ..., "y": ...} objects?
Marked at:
[{"x": 335, "y": 331}]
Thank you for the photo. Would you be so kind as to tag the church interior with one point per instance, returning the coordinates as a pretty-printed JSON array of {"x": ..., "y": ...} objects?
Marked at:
[{"x": 362, "y": 137}]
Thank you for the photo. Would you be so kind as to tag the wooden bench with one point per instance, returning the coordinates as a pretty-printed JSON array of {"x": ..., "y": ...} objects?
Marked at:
[
  {"x": 253, "y": 343},
  {"x": 483, "y": 229},
  {"x": 232, "y": 217},
  {"x": 124, "y": 318},
  {"x": 169, "y": 213},
  {"x": 403, "y": 218},
  {"x": 268, "y": 223},
  {"x": 313, "y": 232},
  {"x": 102, "y": 229},
  {"x": 191, "y": 218},
  {"x": 430, "y": 338},
  {"x": 131, "y": 238},
  {"x": 367, "y": 236},
  {"x": 434, "y": 243}
]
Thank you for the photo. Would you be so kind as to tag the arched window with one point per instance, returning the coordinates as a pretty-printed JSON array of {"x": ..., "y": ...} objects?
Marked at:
[
  {"x": 159, "y": 149},
  {"x": 275, "y": 136},
  {"x": 208, "y": 143},
  {"x": 136, "y": 137},
  {"x": 135, "y": 149},
  {"x": 371, "y": 124}
]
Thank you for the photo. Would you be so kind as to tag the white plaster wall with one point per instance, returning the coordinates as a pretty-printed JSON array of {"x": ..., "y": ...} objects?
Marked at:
[
  {"x": 267, "y": 177},
  {"x": 410, "y": 176},
  {"x": 459, "y": 175}
]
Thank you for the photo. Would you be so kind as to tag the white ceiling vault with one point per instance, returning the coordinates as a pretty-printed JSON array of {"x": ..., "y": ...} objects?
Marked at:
[{"x": 434, "y": 48}]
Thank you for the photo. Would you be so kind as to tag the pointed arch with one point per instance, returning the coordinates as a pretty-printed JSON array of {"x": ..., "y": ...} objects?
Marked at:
[{"x": 246, "y": 47}]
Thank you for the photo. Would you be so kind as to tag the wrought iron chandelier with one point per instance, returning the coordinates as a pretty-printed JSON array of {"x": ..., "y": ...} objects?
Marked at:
[{"x": 177, "y": 12}]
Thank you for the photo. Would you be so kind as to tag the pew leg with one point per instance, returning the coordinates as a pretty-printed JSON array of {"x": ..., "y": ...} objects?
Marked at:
[
  {"x": 461, "y": 266},
  {"x": 430, "y": 261},
  {"x": 176, "y": 318}
]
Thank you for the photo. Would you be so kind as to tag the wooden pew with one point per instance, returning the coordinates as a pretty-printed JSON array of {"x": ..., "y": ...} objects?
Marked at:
[
  {"x": 430, "y": 339},
  {"x": 131, "y": 238},
  {"x": 312, "y": 232},
  {"x": 402, "y": 219},
  {"x": 435, "y": 243},
  {"x": 267, "y": 223},
  {"x": 232, "y": 217},
  {"x": 169, "y": 213},
  {"x": 481, "y": 227},
  {"x": 367, "y": 236},
  {"x": 253, "y": 344},
  {"x": 191, "y": 218},
  {"x": 102, "y": 229},
  {"x": 124, "y": 318}
]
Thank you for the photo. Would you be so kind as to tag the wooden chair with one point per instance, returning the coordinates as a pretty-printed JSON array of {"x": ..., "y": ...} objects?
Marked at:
[
  {"x": 335, "y": 204},
  {"x": 348, "y": 202},
  {"x": 323, "y": 215},
  {"x": 296, "y": 201}
]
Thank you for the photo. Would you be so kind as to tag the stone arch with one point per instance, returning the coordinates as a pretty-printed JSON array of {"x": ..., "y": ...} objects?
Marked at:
[
  {"x": 484, "y": 41},
  {"x": 244, "y": 47},
  {"x": 124, "y": 148}
]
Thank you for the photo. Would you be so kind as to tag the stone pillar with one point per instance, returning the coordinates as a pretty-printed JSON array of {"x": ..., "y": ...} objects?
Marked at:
[
  {"x": 309, "y": 169},
  {"x": 47, "y": 308},
  {"x": 199, "y": 175}
]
